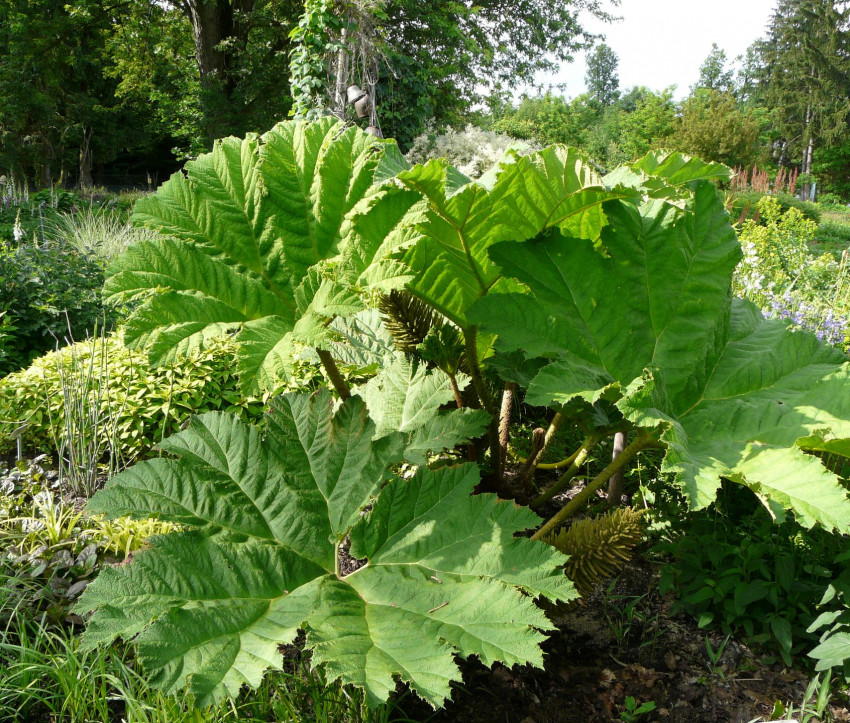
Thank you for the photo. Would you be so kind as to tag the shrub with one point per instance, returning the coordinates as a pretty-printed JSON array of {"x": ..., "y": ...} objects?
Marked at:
[
  {"x": 472, "y": 151},
  {"x": 146, "y": 403},
  {"x": 48, "y": 291},
  {"x": 781, "y": 275}
]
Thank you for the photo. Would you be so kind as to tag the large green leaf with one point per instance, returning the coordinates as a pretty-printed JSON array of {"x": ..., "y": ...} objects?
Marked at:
[
  {"x": 249, "y": 234},
  {"x": 652, "y": 321},
  {"x": 406, "y": 397},
  {"x": 440, "y": 573},
  {"x": 451, "y": 223}
]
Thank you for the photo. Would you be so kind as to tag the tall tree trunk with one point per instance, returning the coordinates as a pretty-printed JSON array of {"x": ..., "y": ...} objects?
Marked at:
[
  {"x": 85, "y": 159},
  {"x": 808, "y": 152},
  {"x": 219, "y": 34}
]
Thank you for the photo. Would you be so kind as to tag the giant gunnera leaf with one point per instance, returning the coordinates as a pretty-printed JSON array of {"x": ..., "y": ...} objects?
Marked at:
[
  {"x": 249, "y": 233},
  {"x": 648, "y": 319},
  {"x": 440, "y": 224},
  {"x": 266, "y": 513}
]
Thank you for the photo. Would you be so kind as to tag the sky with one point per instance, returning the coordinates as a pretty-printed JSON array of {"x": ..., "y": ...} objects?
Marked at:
[{"x": 663, "y": 42}]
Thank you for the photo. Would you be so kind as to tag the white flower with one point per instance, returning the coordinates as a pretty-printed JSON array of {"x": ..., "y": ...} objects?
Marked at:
[{"x": 17, "y": 230}]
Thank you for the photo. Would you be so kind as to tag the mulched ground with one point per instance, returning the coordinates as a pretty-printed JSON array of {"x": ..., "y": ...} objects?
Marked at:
[{"x": 607, "y": 651}]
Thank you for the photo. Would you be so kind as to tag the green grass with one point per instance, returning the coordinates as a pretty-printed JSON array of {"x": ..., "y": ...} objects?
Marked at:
[{"x": 44, "y": 675}]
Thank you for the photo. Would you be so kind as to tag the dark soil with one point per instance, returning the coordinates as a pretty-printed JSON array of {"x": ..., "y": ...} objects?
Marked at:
[{"x": 622, "y": 642}]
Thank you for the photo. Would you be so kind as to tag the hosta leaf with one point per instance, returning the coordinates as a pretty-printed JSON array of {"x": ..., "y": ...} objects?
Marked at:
[
  {"x": 443, "y": 572},
  {"x": 651, "y": 322},
  {"x": 249, "y": 232}
]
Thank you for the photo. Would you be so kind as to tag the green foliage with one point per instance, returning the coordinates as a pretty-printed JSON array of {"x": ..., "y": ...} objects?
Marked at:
[
  {"x": 598, "y": 547},
  {"x": 308, "y": 73},
  {"x": 833, "y": 625},
  {"x": 144, "y": 403},
  {"x": 51, "y": 550},
  {"x": 209, "y": 607},
  {"x": 649, "y": 125},
  {"x": 781, "y": 273},
  {"x": 725, "y": 412},
  {"x": 777, "y": 254},
  {"x": 549, "y": 119},
  {"x": 59, "y": 101},
  {"x": 256, "y": 238},
  {"x": 446, "y": 246},
  {"x": 49, "y": 291},
  {"x": 735, "y": 569},
  {"x": 712, "y": 127}
]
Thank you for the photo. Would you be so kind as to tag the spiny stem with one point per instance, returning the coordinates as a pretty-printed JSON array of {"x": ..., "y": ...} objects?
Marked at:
[
  {"x": 334, "y": 374},
  {"x": 615, "y": 484},
  {"x": 470, "y": 448},
  {"x": 505, "y": 421},
  {"x": 641, "y": 442},
  {"x": 534, "y": 460},
  {"x": 456, "y": 390},
  {"x": 579, "y": 457},
  {"x": 470, "y": 339},
  {"x": 470, "y": 336}
]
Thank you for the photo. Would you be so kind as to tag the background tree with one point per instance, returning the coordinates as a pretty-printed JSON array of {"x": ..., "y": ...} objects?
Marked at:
[
  {"x": 601, "y": 79},
  {"x": 444, "y": 57},
  {"x": 807, "y": 78},
  {"x": 713, "y": 73},
  {"x": 649, "y": 125},
  {"x": 712, "y": 127},
  {"x": 59, "y": 113}
]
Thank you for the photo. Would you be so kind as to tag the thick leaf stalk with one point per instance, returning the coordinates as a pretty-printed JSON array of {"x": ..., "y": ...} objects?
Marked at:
[{"x": 641, "y": 442}]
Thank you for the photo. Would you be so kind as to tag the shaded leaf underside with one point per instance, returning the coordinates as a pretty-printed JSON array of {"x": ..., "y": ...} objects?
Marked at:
[{"x": 654, "y": 318}]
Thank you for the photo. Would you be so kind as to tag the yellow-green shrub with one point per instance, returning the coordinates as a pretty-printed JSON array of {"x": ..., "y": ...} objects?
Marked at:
[{"x": 146, "y": 403}]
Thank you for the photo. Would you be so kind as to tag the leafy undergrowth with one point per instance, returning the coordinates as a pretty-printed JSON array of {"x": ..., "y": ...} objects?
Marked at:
[{"x": 622, "y": 643}]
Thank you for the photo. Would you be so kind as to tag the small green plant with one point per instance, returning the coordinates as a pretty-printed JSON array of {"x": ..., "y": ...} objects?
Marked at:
[
  {"x": 737, "y": 570},
  {"x": 88, "y": 431},
  {"x": 630, "y": 620},
  {"x": 50, "y": 549},
  {"x": 813, "y": 705},
  {"x": 634, "y": 712},
  {"x": 715, "y": 655}
]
